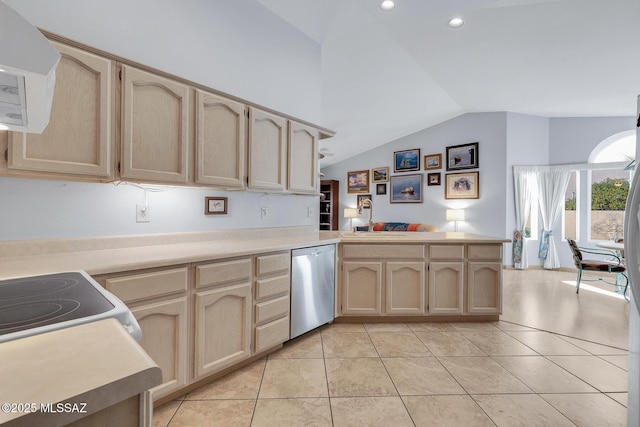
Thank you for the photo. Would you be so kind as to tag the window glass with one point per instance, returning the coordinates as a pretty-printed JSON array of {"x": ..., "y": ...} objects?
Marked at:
[{"x": 609, "y": 190}]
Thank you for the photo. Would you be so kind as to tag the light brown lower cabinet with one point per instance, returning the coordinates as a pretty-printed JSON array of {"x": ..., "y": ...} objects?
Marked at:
[
  {"x": 485, "y": 287},
  {"x": 164, "y": 337},
  {"x": 446, "y": 281},
  {"x": 393, "y": 280},
  {"x": 405, "y": 288},
  {"x": 159, "y": 301},
  {"x": 361, "y": 288},
  {"x": 222, "y": 328}
]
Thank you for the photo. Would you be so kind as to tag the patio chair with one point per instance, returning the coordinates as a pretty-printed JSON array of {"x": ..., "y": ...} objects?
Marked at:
[{"x": 614, "y": 264}]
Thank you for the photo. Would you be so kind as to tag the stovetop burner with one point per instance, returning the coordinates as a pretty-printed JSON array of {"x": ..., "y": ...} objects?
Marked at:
[{"x": 32, "y": 302}]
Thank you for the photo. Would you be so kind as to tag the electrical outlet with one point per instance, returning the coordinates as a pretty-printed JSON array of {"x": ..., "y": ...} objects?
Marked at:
[
  {"x": 309, "y": 212},
  {"x": 264, "y": 213},
  {"x": 143, "y": 213}
]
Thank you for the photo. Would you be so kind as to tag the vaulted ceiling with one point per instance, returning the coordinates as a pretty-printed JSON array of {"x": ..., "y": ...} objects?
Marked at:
[{"x": 389, "y": 74}]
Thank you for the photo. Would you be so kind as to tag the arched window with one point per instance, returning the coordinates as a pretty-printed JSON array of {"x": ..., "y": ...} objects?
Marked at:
[{"x": 609, "y": 187}]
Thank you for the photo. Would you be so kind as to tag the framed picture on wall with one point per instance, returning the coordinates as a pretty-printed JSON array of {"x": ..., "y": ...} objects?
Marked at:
[
  {"x": 406, "y": 188},
  {"x": 215, "y": 205},
  {"x": 406, "y": 160},
  {"x": 433, "y": 161},
  {"x": 433, "y": 178},
  {"x": 362, "y": 198},
  {"x": 381, "y": 189},
  {"x": 358, "y": 182},
  {"x": 462, "y": 185},
  {"x": 380, "y": 174},
  {"x": 462, "y": 156}
]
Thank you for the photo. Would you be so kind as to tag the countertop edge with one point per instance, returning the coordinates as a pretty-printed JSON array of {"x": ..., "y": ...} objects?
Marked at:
[{"x": 113, "y": 260}]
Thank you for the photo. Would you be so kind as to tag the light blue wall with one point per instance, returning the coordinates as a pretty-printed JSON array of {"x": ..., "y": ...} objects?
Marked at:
[
  {"x": 237, "y": 47},
  {"x": 487, "y": 215}
]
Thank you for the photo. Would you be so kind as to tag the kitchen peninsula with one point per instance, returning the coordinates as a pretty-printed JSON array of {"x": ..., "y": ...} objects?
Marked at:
[{"x": 210, "y": 302}]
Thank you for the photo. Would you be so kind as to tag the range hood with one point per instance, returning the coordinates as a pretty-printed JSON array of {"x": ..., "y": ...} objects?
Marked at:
[{"x": 27, "y": 74}]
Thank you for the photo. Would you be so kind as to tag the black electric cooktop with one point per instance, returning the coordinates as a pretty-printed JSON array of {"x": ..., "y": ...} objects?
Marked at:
[{"x": 32, "y": 302}]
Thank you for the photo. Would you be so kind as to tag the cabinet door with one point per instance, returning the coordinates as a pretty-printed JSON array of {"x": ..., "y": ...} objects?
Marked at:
[
  {"x": 405, "y": 288},
  {"x": 79, "y": 138},
  {"x": 267, "y": 149},
  {"x": 485, "y": 288},
  {"x": 362, "y": 288},
  {"x": 222, "y": 328},
  {"x": 302, "y": 175},
  {"x": 445, "y": 287},
  {"x": 155, "y": 127},
  {"x": 220, "y": 141},
  {"x": 164, "y": 337}
]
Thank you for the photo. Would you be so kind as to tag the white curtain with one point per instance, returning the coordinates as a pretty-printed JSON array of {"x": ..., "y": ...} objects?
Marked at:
[
  {"x": 552, "y": 185},
  {"x": 523, "y": 183}
]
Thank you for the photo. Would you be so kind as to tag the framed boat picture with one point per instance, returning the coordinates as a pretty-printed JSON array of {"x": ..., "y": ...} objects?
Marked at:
[
  {"x": 462, "y": 156},
  {"x": 406, "y": 188},
  {"x": 406, "y": 160}
]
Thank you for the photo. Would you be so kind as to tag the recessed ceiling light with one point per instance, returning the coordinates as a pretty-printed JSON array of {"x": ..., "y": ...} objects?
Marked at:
[
  {"x": 387, "y": 5},
  {"x": 4, "y": 127},
  {"x": 456, "y": 22}
]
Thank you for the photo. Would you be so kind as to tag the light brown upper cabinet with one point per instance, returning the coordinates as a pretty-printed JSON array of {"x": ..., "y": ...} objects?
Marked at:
[
  {"x": 267, "y": 150},
  {"x": 79, "y": 139},
  {"x": 220, "y": 141},
  {"x": 302, "y": 175},
  {"x": 155, "y": 127}
]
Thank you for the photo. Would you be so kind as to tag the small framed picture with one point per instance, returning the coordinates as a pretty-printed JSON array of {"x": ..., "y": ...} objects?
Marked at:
[
  {"x": 433, "y": 161},
  {"x": 358, "y": 182},
  {"x": 462, "y": 185},
  {"x": 406, "y": 188},
  {"x": 407, "y": 160},
  {"x": 215, "y": 205},
  {"x": 433, "y": 178},
  {"x": 380, "y": 174},
  {"x": 381, "y": 189},
  {"x": 462, "y": 156},
  {"x": 362, "y": 198}
]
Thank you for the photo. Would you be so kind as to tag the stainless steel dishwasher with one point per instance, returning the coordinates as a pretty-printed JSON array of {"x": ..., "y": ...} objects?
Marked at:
[{"x": 312, "y": 288}]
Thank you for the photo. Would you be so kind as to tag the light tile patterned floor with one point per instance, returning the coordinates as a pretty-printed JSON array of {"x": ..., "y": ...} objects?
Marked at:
[{"x": 419, "y": 374}]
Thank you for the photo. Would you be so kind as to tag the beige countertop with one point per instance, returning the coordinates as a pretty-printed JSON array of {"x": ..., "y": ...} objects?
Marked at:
[
  {"x": 49, "y": 368},
  {"x": 89, "y": 255}
]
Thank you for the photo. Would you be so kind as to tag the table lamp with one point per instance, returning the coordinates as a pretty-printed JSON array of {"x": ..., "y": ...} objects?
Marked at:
[
  {"x": 455, "y": 215},
  {"x": 350, "y": 213}
]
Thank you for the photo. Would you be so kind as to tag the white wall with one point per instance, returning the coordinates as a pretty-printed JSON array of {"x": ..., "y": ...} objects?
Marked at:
[
  {"x": 486, "y": 215},
  {"x": 527, "y": 144},
  {"x": 238, "y": 47}
]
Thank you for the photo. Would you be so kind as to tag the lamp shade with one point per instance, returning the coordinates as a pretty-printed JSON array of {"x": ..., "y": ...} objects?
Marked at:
[
  {"x": 350, "y": 212},
  {"x": 455, "y": 214}
]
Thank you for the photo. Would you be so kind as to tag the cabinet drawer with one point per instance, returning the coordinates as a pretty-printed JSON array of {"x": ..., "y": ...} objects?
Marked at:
[
  {"x": 266, "y": 264},
  {"x": 383, "y": 251},
  {"x": 266, "y": 288},
  {"x": 485, "y": 251},
  {"x": 147, "y": 285},
  {"x": 273, "y": 309},
  {"x": 272, "y": 334},
  {"x": 446, "y": 251},
  {"x": 223, "y": 272}
]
